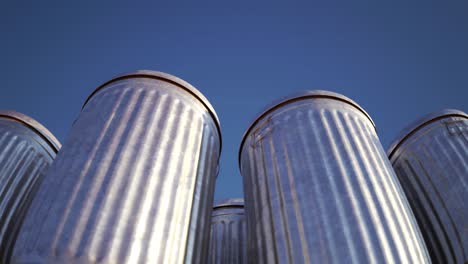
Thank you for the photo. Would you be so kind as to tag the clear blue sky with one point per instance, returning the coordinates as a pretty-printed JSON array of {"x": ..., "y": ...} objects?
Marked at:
[{"x": 398, "y": 59}]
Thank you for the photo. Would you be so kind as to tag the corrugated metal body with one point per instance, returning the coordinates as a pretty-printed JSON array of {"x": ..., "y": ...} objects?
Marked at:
[
  {"x": 134, "y": 181},
  {"x": 26, "y": 151},
  {"x": 431, "y": 161},
  {"x": 320, "y": 189},
  {"x": 228, "y": 242}
]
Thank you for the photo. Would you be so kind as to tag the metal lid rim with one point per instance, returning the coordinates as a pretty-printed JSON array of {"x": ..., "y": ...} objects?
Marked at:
[
  {"x": 420, "y": 123},
  {"x": 164, "y": 77},
  {"x": 308, "y": 94},
  {"x": 236, "y": 202},
  {"x": 222, "y": 206},
  {"x": 34, "y": 125}
]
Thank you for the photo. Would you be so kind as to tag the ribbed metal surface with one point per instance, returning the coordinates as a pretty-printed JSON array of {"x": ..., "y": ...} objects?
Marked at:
[
  {"x": 26, "y": 151},
  {"x": 320, "y": 189},
  {"x": 431, "y": 161},
  {"x": 134, "y": 181},
  {"x": 228, "y": 241}
]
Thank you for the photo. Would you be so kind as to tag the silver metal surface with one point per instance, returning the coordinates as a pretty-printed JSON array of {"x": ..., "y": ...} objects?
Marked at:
[
  {"x": 320, "y": 189},
  {"x": 228, "y": 241},
  {"x": 430, "y": 158},
  {"x": 26, "y": 151},
  {"x": 133, "y": 182}
]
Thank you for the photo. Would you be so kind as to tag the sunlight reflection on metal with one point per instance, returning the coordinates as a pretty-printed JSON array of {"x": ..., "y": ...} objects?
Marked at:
[
  {"x": 135, "y": 180},
  {"x": 320, "y": 189},
  {"x": 26, "y": 151},
  {"x": 430, "y": 158}
]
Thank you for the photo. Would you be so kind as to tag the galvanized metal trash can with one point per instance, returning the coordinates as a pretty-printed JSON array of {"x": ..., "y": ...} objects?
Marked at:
[
  {"x": 26, "y": 151},
  {"x": 319, "y": 187},
  {"x": 134, "y": 181},
  {"x": 430, "y": 157},
  {"x": 228, "y": 240}
]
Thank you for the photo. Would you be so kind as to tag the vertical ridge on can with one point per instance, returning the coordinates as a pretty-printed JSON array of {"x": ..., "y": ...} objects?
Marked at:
[
  {"x": 320, "y": 189},
  {"x": 430, "y": 158},
  {"x": 26, "y": 151},
  {"x": 228, "y": 233},
  {"x": 134, "y": 182}
]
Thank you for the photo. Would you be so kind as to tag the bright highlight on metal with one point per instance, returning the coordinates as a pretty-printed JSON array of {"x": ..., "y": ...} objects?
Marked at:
[
  {"x": 26, "y": 151},
  {"x": 134, "y": 180},
  {"x": 320, "y": 189},
  {"x": 430, "y": 158}
]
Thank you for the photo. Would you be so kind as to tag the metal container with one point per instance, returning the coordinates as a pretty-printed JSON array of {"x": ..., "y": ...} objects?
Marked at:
[
  {"x": 228, "y": 233},
  {"x": 134, "y": 181},
  {"x": 320, "y": 189},
  {"x": 26, "y": 151},
  {"x": 430, "y": 158}
]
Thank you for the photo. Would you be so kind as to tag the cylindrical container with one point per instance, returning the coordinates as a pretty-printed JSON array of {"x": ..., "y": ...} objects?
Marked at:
[
  {"x": 430, "y": 158},
  {"x": 228, "y": 241},
  {"x": 134, "y": 180},
  {"x": 320, "y": 189},
  {"x": 26, "y": 151}
]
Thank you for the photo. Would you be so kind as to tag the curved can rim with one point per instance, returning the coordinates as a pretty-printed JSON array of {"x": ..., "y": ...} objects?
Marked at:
[
  {"x": 421, "y": 122},
  {"x": 307, "y": 94},
  {"x": 231, "y": 202},
  {"x": 33, "y": 125},
  {"x": 168, "y": 78}
]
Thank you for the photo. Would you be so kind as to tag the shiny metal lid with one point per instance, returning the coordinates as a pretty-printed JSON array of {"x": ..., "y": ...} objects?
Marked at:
[
  {"x": 168, "y": 78},
  {"x": 308, "y": 94},
  {"x": 420, "y": 123},
  {"x": 231, "y": 202},
  {"x": 33, "y": 125}
]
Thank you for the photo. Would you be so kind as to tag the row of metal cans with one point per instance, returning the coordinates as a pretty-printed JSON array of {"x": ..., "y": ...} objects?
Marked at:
[{"x": 134, "y": 183}]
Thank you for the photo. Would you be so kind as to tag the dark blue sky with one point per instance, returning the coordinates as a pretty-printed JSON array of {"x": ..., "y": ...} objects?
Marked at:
[{"x": 399, "y": 60}]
